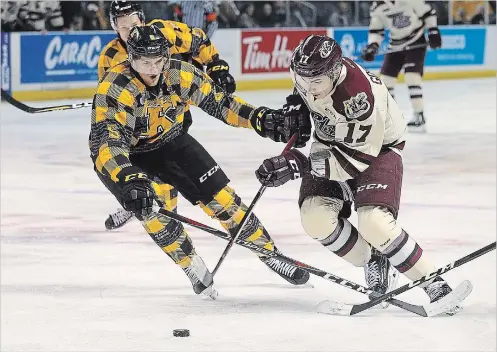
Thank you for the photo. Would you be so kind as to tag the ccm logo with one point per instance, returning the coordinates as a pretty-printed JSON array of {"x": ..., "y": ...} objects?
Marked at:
[
  {"x": 293, "y": 108},
  {"x": 134, "y": 176},
  {"x": 220, "y": 68},
  {"x": 208, "y": 173},
  {"x": 295, "y": 167},
  {"x": 371, "y": 186}
]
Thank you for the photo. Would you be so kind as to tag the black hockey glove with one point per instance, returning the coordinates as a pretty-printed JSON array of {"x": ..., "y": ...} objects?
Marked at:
[
  {"x": 137, "y": 194},
  {"x": 369, "y": 52},
  {"x": 434, "y": 38},
  {"x": 297, "y": 120},
  {"x": 280, "y": 169},
  {"x": 269, "y": 123},
  {"x": 218, "y": 71}
]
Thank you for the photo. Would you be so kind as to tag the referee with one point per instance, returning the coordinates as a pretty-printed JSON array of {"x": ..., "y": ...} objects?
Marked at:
[{"x": 200, "y": 14}]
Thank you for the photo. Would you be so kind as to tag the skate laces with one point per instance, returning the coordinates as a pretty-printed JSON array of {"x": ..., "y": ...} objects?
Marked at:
[
  {"x": 437, "y": 290},
  {"x": 372, "y": 274},
  {"x": 121, "y": 216},
  {"x": 192, "y": 275},
  {"x": 281, "y": 267}
]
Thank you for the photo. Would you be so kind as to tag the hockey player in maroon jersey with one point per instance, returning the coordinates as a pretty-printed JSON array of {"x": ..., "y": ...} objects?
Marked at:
[
  {"x": 407, "y": 22},
  {"x": 355, "y": 157}
]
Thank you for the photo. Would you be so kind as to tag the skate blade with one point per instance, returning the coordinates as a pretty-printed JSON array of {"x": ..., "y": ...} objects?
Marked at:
[
  {"x": 210, "y": 293},
  {"x": 447, "y": 304},
  {"x": 417, "y": 129},
  {"x": 299, "y": 287}
]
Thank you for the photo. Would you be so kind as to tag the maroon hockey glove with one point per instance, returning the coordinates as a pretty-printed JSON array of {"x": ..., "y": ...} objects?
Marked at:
[
  {"x": 434, "y": 38},
  {"x": 280, "y": 169},
  {"x": 369, "y": 52},
  {"x": 218, "y": 71},
  {"x": 297, "y": 120}
]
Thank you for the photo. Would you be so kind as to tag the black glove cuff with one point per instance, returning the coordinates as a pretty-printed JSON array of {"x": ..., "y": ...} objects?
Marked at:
[
  {"x": 131, "y": 173},
  {"x": 295, "y": 103},
  {"x": 257, "y": 120},
  {"x": 216, "y": 66}
]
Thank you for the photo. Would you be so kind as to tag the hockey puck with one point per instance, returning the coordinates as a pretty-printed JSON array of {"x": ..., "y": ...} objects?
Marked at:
[{"x": 181, "y": 332}]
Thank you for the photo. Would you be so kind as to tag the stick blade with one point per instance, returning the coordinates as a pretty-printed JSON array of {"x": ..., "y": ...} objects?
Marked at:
[
  {"x": 451, "y": 300},
  {"x": 334, "y": 308},
  {"x": 17, "y": 103},
  {"x": 439, "y": 307}
]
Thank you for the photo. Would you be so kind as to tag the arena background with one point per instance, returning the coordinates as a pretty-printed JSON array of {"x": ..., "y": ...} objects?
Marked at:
[{"x": 63, "y": 64}]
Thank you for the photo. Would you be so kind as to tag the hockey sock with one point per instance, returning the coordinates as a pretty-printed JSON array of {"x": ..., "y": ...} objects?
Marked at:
[
  {"x": 229, "y": 210},
  {"x": 413, "y": 81}
]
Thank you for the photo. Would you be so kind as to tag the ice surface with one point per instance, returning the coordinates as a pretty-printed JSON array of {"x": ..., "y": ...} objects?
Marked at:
[{"x": 68, "y": 285}]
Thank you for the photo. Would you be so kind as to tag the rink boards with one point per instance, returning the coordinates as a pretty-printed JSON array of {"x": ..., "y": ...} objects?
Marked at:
[{"x": 59, "y": 65}]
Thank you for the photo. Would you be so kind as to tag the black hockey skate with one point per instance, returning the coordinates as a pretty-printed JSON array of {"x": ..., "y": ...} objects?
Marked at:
[
  {"x": 438, "y": 289},
  {"x": 380, "y": 276},
  {"x": 417, "y": 124},
  {"x": 290, "y": 273},
  {"x": 118, "y": 219}
]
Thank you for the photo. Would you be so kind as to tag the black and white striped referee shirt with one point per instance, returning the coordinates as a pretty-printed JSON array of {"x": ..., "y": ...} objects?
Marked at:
[{"x": 201, "y": 14}]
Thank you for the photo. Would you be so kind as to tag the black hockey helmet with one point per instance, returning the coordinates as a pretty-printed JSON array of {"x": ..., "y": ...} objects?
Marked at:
[
  {"x": 147, "y": 41},
  {"x": 125, "y": 8},
  {"x": 317, "y": 55},
  {"x": 148, "y": 50}
]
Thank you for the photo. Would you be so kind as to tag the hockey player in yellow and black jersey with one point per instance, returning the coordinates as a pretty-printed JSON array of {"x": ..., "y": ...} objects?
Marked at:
[
  {"x": 187, "y": 44},
  {"x": 137, "y": 134}
]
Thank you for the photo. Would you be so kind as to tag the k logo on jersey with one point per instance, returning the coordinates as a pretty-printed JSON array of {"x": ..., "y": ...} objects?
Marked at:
[
  {"x": 356, "y": 106},
  {"x": 157, "y": 112}
]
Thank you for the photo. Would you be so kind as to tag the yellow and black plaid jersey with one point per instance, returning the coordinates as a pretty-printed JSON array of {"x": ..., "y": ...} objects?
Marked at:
[
  {"x": 129, "y": 117},
  {"x": 187, "y": 43},
  {"x": 190, "y": 43}
]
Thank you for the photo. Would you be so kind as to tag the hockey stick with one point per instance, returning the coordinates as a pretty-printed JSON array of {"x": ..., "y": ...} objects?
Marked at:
[
  {"x": 258, "y": 196},
  {"x": 349, "y": 309},
  {"x": 416, "y": 309},
  {"x": 407, "y": 48},
  {"x": 34, "y": 110}
]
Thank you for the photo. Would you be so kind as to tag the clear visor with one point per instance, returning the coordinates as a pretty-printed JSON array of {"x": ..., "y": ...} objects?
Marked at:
[
  {"x": 317, "y": 86},
  {"x": 126, "y": 22},
  {"x": 149, "y": 65}
]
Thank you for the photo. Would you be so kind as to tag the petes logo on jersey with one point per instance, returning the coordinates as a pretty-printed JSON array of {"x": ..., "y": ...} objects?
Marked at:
[
  {"x": 356, "y": 106},
  {"x": 323, "y": 124},
  {"x": 400, "y": 20}
]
